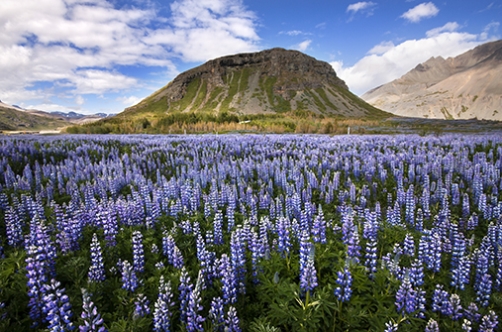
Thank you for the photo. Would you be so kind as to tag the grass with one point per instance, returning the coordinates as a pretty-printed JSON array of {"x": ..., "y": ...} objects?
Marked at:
[
  {"x": 316, "y": 99},
  {"x": 322, "y": 93}
]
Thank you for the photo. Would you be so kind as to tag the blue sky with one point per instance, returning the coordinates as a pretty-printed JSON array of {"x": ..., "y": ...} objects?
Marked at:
[{"x": 94, "y": 56}]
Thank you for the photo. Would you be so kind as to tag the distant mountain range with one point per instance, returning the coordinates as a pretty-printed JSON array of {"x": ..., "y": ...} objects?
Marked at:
[
  {"x": 464, "y": 87},
  {"x": 15, "y": 118}
]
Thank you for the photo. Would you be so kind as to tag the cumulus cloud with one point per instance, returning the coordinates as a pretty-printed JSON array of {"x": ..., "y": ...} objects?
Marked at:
[
  {"x": 359, "y": 6},
  {"x": 448, "y": 27},
  {"x": 205, "y": 29},
  {"x": 386, "y": 61},
  {"x": 79, "y": 45},
  {"x": 382, "y": 47},
  {"x": 129, "y": 101},
  {"x": 303, "y": 45},
  {"x": 423, "y": 10}
]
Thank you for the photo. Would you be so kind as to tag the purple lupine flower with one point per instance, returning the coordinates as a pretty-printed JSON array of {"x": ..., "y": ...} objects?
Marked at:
[
  {"x": 40, "y": 266},
  {"x": 305, "y": 248},
  {"x": 473, "y": 221},
  {"x": 308, "y": 274},
  {"x": 13, "y": 228},
  {"x": 319, "y": 227},
  {"x": 186, "y": 227},
  {"x": 421, "y": 302},
  {"x": 129, "y": 278},
  {"x": 217, "y": 315},
  {"x": 472, "y": 313},
  {"x": 417, "y": 273},
  {"x": 441, "y": 301},
  {"x": 481, "y": 269},
  {"x": 162, "y": 313},
  {"x": 498, "y": 277},
  {"x": 185, "y": 289},
  {"x": 218, "y": 228},
  {"x": 36, "y": 280},
  {"x": 409, "y": 245},
  {"x": 169, "y": 248},
  {"x": 406, "y": 297},
  {"x": 230, "y": 213},
  {"x": 466, "y": 325},
  {"x": 238, "y": 259},
  {"x": 110, "y": 226},
  {"x": 350, "y": 237},
  {"x": 255, "y": 246},
  {"x": 459, "y": 247},
  {"x": 433, "y": 255},
  {"x": 432, "y": 326},
  {"x": 344, "y": 280},
  {"x": 57, "y": 308},
  {"x": 484, "y": 290},
  {"x": 97, "y": 269},
  {"x": 391, "y": 327},
  {"x": 489, "y": 322},
  {"x": 138, "y": 252},
  {"x": 371, "y": 257},
  {"x": 466, "y": 205},
  {"x": 141, "y": 306},
  {"x": 410, "y": 205},
  {"x": 419, "y": 221},
  {"x": 92, "y": 319},
  {"x": 284, "y": 242},
  {"x": 457, "y": 310},
  {"x": 204, "y": 257},
  {"x": 228, "y": 280},
  {"x": 232, "y": 321},
  {"x": 194, "y": 319}
]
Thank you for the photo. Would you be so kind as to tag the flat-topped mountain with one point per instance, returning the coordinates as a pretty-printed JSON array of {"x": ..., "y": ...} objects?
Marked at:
[
  {"x": 267, "y": 82},
  {"x": 464, "y": 87}
]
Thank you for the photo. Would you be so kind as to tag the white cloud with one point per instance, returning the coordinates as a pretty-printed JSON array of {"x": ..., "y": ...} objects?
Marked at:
[
  {"x": 493, "y": 26},
  {"x": 382, "y": 47},
  {"x": 129, "y": 101},
  {"x": 303, "y": 45},
  {"x": 423, "y": 10},
  {"x": 78, "y": 45},
  {"x": 358, "y": 6},
  {"x": 386, "y": 61},
  {"x": 205, "y": 29},
  {"x": 448, "y": 27},
  {"x": 294, "y": 33},
  {"x": 99, "y": 81},
  {"x": 79, "y": 100},
  {"x": 51, "y": 107}
]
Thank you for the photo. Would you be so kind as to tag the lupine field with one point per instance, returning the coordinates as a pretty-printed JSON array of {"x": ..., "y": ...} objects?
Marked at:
[{"x": 250, "y": 233}]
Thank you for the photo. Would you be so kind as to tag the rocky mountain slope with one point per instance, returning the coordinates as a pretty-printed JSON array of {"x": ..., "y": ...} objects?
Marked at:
[
  {"x": 268, "y": 82},
  {"x": 464, "y": 87},
  {"x": 14, "y": 118}
]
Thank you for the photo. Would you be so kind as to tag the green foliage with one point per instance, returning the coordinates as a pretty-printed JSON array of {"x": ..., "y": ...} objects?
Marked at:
[
  {"x": 316, "y": 99},
  {"x": 322, "y": 93}
]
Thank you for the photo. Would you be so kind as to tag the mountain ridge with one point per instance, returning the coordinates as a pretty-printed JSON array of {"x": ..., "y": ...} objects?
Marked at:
[
  {"x": 15, "y": 118},
  {"x": 275, "y": 80},
  {"x": 461, "y": 87}
]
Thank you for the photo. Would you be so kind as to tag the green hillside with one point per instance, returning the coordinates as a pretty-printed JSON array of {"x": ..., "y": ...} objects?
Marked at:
[
  {"x": 13, "y": 120},
  {"x": 274, "y": 91}
]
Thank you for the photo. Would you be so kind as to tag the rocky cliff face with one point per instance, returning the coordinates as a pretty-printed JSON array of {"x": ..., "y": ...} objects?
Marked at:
[
  {"x": 275, "y": 80},
  {"x": 464, "y": 87}
]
